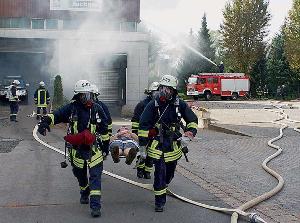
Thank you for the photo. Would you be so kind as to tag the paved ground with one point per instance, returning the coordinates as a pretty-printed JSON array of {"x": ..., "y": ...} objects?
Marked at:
[
  {"x": 33, "y": 187},
  {"x": 229, "y": 165},
  {"x": 224, "y": 170}
]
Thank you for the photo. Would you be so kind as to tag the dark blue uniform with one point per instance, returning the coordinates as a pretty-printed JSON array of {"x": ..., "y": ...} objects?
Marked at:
[
  {"x": 41, "y": 99},
  {"x": 13, "y": 103},
  {"x": 165, "y": 149},
  {"x": 145, "y": 165},
  {"x": 107, "y": 113},
  {"x": 81, "y": 118}
]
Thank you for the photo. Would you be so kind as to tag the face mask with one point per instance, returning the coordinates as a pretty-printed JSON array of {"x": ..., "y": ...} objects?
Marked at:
[
  {"x": 165, "y": 93},
  {"x": 85, "y": 98}
]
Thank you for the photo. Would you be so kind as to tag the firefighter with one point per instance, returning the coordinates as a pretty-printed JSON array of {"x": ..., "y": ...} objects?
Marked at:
[
  {"x": 96, "y": 93},
  {"x": 166, "y": 112},
  {"x": 259, "y": 92},
  {"x": 13, "y": 100},
  {"x": 85, "y": 119},
  {"x": 41, "y": 99},
  {"x": 144, "y": 167},
  {"x": 221, "y": 67}
]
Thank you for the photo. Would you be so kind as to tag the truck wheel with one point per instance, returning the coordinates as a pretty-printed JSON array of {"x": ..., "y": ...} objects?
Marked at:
[
  {"x": 234, "y": 96},
  {"x": 207, "y": 95},
  {"x": 195, "y": 98}
]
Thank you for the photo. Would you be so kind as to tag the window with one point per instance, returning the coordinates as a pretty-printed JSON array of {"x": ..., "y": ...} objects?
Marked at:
[
  {"x": 210, "y": 80},
  {"x": 128, "y": 27},
  {"x": 201, "y": 81},
  {"x": 215, "y": 80},
  {"x": 37, "y": 23},
  {"x": 51, "y": 24},
  {"x": 5, "y": 23},
  {"x": 71, "y": 24},
  {"x": 192, "y": 80}
]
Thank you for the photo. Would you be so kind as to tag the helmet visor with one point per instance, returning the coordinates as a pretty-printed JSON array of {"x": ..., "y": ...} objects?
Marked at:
[
  {"x": 85, "y": 97},
  {"x": 166, "y": 92}
]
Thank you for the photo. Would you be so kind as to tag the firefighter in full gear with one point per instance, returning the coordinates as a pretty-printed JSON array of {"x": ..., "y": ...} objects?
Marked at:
[
  {"x": 144, "y": 166},
  {"x": 166, "y": 112},
  {"x": 86, "y": 120},
  {"x": 13, "y": 100},
  {"x": 41, "y": 99}
]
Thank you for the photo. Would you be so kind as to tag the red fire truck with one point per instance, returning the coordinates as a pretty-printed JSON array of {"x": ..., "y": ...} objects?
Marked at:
[{"x": 226, "y": 85}]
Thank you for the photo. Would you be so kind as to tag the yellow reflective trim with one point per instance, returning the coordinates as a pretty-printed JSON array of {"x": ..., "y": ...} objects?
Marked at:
[
  {"x": 84, "y": 188},
  {"x": 110, "y": 126},
  {"x": 173, "y": 158},
  {"x": 52, "y": 118},
  {"x": 135, "y": 124},
  {"x": 141, "y": 166},
  {"x": 95, "y": 193},
  {"x": 148, "y": 169},
  {"x": 160, "y": 192},
  {"x": 143, "y": 133},
  {"x": 75, "y": 127},
  {"x": 39, "y": 98},
  {"x": 93, "y": 128},
  {"x": 105, "y": 137},
  {"x": 192, "y": 125}
]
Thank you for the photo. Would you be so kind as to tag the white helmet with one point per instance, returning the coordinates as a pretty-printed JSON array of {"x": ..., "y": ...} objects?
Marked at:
[
  {"x": 95, "y": 89},
  {"x": 42, "y": 84},
  {"x": 154, "y": 86},
  {"x": 16, "y": 82},
  {"x": 169, "y": 81},
  {"x": 82, "y": 86}
]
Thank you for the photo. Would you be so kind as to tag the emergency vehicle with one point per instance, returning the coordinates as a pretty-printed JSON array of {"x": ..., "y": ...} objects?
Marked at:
[{"x": 226, "y": 85}]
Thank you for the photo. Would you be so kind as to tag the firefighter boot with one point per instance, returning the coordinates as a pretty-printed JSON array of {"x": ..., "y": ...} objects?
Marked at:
[
  {"x": 84, "y": 199},
  {"x": 140, "y": 173},
  {"x": 147, "y": 175},
  {"x": 159, "y": 208},
  {"x": 96, "y": 213}
]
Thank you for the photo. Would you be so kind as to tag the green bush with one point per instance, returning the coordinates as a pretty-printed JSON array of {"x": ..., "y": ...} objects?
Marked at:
[{"x": 58, "y": 97}]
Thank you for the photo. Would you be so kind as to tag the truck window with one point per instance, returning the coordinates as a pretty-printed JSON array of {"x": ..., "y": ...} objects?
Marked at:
[
  {"x": 215, "y": 80},
  {"x": 201, "y": 81},
  {"x": 192, "y": 80},
  {"x": 210, "y": 80}
]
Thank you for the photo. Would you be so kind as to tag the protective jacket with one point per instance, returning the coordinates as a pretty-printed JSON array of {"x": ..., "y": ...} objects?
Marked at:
[
  {"x": 12, "y": 93},
  {"x": 81, "y": 118},
  {"x": 139, "y": 108},
  {"x": 41, "y": 97},
  {"x": 107, "y": 113},
  {"x": 167, "y": 117}
]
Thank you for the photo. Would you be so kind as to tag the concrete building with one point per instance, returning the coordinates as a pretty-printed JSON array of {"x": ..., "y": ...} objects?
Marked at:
[{"x": 91, "y": 39}]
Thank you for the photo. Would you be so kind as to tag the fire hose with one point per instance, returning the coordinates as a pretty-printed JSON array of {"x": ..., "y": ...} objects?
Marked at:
[{"x": 253, "y": 217}]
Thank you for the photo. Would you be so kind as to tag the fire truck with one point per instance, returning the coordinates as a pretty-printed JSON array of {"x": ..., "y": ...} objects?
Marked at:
[{"x": 226, "y": 85}]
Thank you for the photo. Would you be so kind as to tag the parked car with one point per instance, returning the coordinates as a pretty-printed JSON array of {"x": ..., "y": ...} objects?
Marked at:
[{"x": 22, "y": 89}]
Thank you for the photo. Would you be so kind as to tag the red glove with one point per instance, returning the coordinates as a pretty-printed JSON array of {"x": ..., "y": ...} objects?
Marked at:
[{"x": 83, "y": 138}]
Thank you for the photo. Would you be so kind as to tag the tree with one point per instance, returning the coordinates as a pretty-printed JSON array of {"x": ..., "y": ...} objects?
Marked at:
[
  {"x": 278, "y": 68},
  {"x": 205, "y": 46},
  {"x": 244, "y": 30},
  {"x": 292, "y": 36},
  {"x": 58, "y": 97}
]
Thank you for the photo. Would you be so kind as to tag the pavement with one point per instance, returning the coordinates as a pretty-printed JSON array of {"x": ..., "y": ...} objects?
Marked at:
[{"x": 33, "y": 187}]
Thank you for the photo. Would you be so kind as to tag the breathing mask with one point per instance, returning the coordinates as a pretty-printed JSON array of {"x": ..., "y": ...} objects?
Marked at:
[
  {"x": 86, "y": 99},
  {"x": 165, "y": 93}
]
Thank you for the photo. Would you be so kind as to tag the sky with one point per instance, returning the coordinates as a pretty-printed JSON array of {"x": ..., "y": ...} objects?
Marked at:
[{"x": 178, "y": 16}]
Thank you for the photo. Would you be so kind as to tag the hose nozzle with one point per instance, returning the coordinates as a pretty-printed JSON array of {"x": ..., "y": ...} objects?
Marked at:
[{"x": 254, "y": 218}]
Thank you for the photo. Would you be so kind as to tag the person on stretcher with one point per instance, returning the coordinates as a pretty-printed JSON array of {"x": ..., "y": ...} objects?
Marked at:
[{"x": 124, "y": 143}]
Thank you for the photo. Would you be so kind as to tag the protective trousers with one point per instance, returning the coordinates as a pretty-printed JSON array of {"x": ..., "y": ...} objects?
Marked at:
[
  {"x": 38, "y": 111},
  {"x": 83, "y": 160},
  {"x": 14, "y": 108},
  {"x": 163, "y": 175},
  {"x": 145, "y": 165}
]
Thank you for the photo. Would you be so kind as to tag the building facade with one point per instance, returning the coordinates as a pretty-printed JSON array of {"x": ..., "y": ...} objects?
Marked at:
[{"x": 91, "y": 39}]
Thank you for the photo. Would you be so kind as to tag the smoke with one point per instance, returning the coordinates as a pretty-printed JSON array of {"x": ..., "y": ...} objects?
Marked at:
[{"x": 88, "y": 49}]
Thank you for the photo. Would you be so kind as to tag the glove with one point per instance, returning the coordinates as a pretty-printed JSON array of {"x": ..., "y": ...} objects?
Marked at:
[
  {"x": 142, "y": 150},
  {"x": 44, "y": 125}
]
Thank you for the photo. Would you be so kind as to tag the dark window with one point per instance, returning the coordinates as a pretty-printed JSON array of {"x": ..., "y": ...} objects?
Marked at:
[
  {"x": 201, "y": 81},
  {"x": 5, "y": 22},
  {"x": 51, "y": 23},
  {"x": 37, "y": 23},
  {"x": 215, "y": 80}
]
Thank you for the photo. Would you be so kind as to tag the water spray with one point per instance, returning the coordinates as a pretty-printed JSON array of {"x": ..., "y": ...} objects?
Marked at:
[{"x": 172, "y": 37}]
